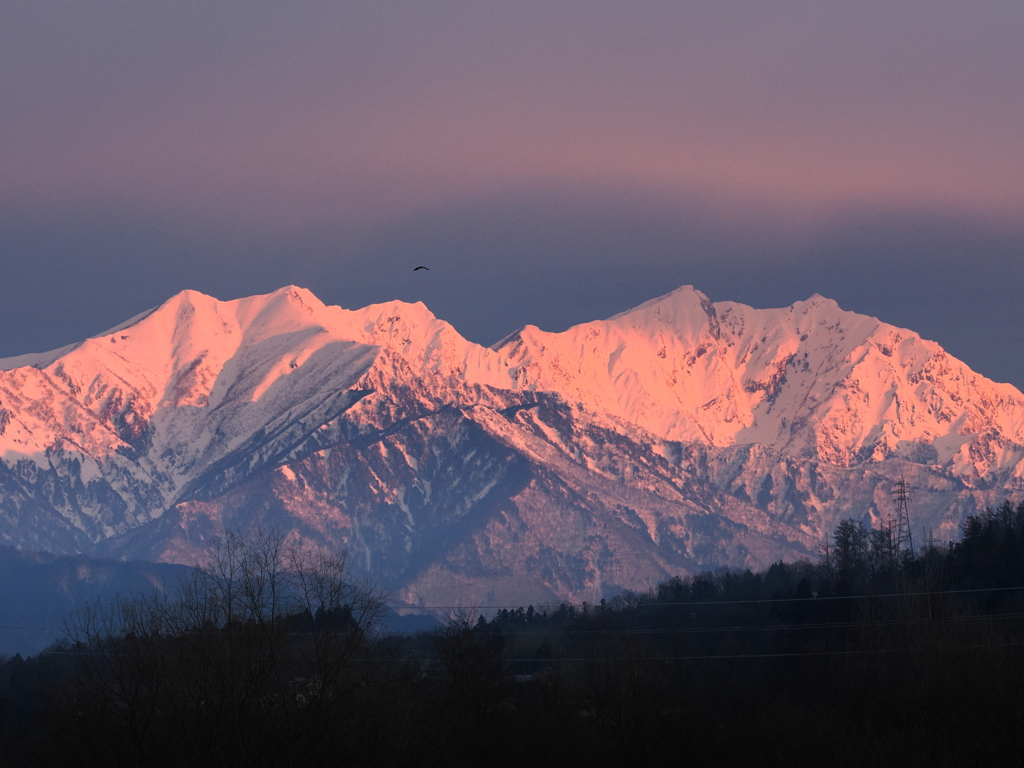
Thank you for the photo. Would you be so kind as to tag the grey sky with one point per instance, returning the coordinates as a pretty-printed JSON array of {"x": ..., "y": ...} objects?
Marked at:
[{"x": 551, "y": 162}]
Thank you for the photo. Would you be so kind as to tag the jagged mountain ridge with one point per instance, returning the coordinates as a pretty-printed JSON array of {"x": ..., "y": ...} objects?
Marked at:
[
  {"x": 675, "y": 436},
  {"x": 809, "y": 380}
]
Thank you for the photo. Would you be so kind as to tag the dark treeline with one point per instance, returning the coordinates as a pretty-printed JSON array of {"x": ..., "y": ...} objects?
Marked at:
[{"x": 871, "y": 655}]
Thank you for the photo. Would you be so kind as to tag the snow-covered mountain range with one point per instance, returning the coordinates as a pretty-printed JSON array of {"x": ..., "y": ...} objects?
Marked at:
[{"x": 677, "y": 436}]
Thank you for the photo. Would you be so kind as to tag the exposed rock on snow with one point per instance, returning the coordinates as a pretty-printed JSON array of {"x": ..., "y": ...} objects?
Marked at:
[{"x": 673, "y": 437}]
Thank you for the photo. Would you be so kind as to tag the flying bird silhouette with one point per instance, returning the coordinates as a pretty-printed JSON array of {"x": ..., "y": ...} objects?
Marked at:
[{"x": 419, "y": 268}]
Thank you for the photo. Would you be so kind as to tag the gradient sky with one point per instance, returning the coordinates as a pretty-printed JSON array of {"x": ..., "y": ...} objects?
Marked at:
[{"x": 551, "y": 162}]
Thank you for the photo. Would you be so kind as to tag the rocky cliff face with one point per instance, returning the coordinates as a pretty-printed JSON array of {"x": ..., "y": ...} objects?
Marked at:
[{"x": 678, "y": 436}]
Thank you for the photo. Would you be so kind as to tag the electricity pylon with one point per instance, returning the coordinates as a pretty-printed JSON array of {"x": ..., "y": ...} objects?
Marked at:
[{"x": 901, "y": 494}]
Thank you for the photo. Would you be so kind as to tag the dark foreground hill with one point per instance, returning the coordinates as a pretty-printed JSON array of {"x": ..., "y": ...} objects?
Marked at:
[{"x": 867, "y": 656}]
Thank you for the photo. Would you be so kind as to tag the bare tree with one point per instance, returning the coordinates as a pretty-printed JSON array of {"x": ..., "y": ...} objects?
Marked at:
[{"x": 255, "y": 655}]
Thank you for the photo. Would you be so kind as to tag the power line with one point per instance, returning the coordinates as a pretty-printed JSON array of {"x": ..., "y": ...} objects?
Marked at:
[
  {"x": 705, "y": 630},
  {"x": 862, "y": 652},
  {"x": 690, "y": 604},
  {"x": 762, "y": 601},
  {"x": 779, "y": 627},
  {"x": 708, "y": 657}
]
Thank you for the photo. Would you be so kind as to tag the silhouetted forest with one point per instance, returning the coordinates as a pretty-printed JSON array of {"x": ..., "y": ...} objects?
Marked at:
[{"x": 870, "y": 655}]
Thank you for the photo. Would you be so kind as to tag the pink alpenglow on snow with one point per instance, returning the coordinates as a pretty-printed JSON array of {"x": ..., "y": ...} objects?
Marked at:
[{"x": 676, "y": 435}]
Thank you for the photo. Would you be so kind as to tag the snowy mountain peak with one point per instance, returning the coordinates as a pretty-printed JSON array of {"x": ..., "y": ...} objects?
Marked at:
[
  {"x": 810, "y": 379},
  {"x": 685, "y": 310},
  {"x": 678, "y": 433}
]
